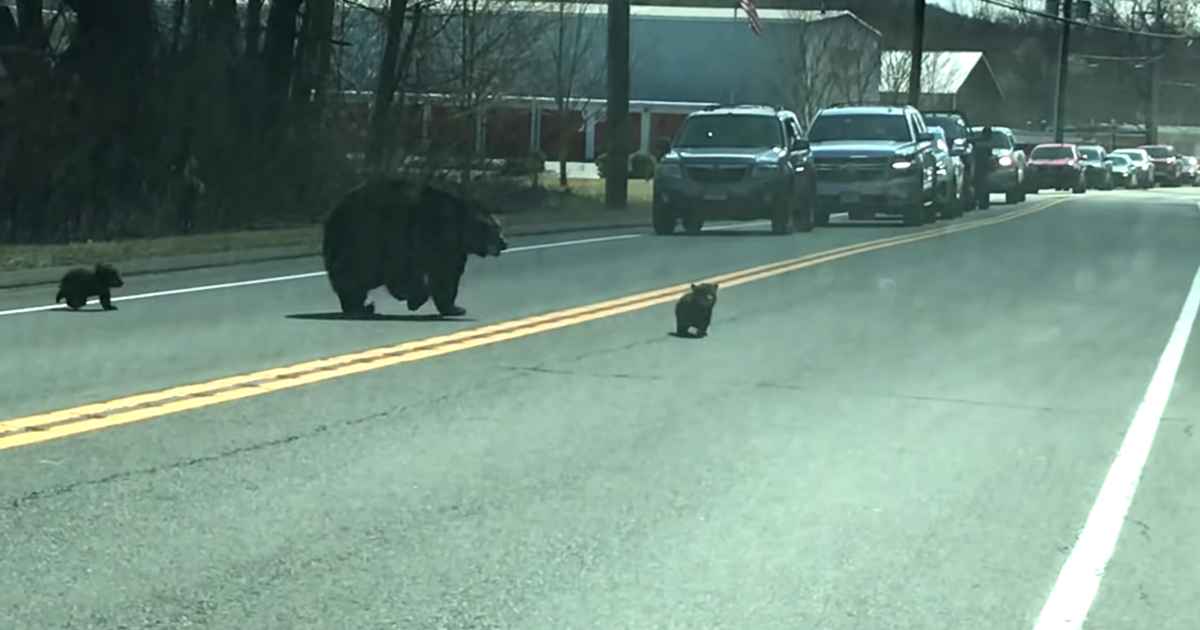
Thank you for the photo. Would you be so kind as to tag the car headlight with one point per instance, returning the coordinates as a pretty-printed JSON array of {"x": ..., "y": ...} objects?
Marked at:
[
  {"x": 669, "y": 169},
  {"x": 1005, "y": 160},
  {"x": 766, "y": 170},
  {"x": 902, "y": 165}
]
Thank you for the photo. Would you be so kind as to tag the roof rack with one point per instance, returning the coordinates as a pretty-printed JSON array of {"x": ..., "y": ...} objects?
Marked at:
[{"x": 709, "y": 108}]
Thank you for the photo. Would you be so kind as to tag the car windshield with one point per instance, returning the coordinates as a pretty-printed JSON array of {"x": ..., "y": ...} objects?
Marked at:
[
  {"x": 834, "y": 127},
  {"x": 1051, "y": 153},
  {"x": 952, "y": 125},
  {"x": 1118, "y": 160},
  {"x": 1159, "y": 153},
  {"x": 730, "y": 131},
  {"x": 1090, "y": 153},
  {"x": 1134, "y": 156}
]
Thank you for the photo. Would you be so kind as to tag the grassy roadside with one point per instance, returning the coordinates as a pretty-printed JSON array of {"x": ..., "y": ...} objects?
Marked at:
[{"x": 583, "y": 206}]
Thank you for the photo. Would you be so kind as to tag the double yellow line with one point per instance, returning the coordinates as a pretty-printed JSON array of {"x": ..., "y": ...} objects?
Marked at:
[{"x": 92, "y": 417}]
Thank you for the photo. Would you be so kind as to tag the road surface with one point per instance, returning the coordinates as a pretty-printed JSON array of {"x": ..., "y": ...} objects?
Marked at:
[{"x": 905, "y": 433}]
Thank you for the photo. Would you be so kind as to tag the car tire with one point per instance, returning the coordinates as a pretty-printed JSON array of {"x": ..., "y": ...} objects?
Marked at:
[
  {"x": 663, "y": 220},
  {"x": 1108, "y": 182},
  {"x": 1012, "y": 196},
  {"x": 985, "y": 201},
  {"x": 821, "y": 217},
  {"x": 782, "y": 216},
  {"x": 693, "y": 225},
  {"x": 805, "y": 217},
  {"x": 1080, "y": 187}
]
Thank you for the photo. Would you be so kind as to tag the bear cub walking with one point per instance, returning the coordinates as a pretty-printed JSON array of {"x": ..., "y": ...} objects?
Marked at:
[
  {"x": 80, "y": 284},
  {"x": 694, "y": 310}
]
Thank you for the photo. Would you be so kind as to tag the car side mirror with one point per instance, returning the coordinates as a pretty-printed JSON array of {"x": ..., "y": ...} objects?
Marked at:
[{"x": 924, "y": 137}]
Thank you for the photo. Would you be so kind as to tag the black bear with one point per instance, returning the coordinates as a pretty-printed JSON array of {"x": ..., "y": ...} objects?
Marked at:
[
  {"x": 80, "y": 284},
  {"x": 694, "y": 310},
  {"x": 411, "y": 238}
]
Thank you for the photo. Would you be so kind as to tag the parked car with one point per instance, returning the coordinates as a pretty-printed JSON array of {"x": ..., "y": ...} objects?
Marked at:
[
  {"x": 957, "y": 126},
  {"x": 1097, "y": 169},
  {"x": 736, "y": 162},
  {"x": 873, "y": 160},
  {"x": 1122, "y": 169},
  {"x": 1191, "y": 170},
  {"x": 949, "y": 186},
  {"x": 1056, "y": 166},
  {"x": 1166, "y": 163},
  {"x": 1009, "y": 165},
  {"x": 1143, "y": 166}
]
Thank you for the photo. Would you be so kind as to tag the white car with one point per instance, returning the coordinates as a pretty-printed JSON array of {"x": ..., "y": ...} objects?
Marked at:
[{"x": 1143, "y": 167}]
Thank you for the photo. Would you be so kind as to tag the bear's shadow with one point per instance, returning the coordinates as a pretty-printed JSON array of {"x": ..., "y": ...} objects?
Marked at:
[
  {"x": 378, "y": 317},
  {"x": 86, "y": 309},
  {"x": 687, "y": 336}
]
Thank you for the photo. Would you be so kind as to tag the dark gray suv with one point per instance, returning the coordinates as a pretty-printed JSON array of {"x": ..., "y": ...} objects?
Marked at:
[
  {"x": 873, "y": 160},
  {"x": 736, "y": 163}
]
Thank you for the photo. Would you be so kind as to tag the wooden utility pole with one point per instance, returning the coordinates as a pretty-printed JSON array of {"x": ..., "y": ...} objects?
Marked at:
[
  {"x": 918, "y": 53},
  {"x": 616, "y": 180},
  {"x": 1064, "y": 53},
  {"x": 1157, "y": 51}
]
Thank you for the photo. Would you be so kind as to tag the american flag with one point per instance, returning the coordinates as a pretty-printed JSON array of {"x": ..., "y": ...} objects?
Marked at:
[{"x": 752, "y": 13}]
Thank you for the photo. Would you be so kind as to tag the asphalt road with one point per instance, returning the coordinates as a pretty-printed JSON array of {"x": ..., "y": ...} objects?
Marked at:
[{"x": 908, "y": 437}]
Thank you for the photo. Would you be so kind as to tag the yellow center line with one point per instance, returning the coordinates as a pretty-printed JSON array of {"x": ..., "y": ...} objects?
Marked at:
[{"x": 61, "y": 423}]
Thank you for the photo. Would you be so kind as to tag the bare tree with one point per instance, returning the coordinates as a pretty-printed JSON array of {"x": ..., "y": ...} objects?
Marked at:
[
  {"x": 574, "y": 46},
  {"x": 394, "y": 67},
  {"x": 482, "y": 51},
  {"x": 805, "y": 81},
  {"x": 896, "y": 65}
]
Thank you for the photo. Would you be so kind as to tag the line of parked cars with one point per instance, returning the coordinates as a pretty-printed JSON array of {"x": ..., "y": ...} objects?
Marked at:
[{"x": 745, "y": 162}]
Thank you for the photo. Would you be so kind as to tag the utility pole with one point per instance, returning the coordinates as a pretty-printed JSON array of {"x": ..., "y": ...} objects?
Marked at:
[
  {"x": 616, "y": 180},
  {"x": 918, "y": 53},
  {"x": 1156, "y": 51},
  {"x": 1064, "y": 53}
]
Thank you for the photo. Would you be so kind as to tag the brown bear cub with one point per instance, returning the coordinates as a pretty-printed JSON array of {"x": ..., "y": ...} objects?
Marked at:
[
  {"x": 80, "y": 284},
  {"x": 694, "y": 310}
]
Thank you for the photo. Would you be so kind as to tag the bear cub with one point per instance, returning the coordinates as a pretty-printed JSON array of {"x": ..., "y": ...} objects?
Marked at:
[
  {"x": 694, "y": 310},
  {"x": 80, "y": 284}
]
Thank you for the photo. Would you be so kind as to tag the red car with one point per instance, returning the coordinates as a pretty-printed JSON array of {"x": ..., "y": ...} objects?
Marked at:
[{"x": 1056, "y": 166}]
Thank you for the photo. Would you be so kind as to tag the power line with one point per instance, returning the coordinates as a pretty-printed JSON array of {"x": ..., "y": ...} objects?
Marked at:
[{"x": 1098, "y": 27}]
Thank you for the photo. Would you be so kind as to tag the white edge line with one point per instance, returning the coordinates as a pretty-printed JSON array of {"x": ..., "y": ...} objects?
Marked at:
[
  {"x": 1079, "y": 580},
  {"x": 298, "y": 276}
]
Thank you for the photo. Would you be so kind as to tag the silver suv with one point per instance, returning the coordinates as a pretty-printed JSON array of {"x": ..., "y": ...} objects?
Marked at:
[
  {"x": 874, "y": 160},
  {"x": 736, "y": 162}
]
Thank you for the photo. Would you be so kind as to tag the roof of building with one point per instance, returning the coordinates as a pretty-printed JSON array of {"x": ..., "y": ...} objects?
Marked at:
[{"x": 951, "y": 68}]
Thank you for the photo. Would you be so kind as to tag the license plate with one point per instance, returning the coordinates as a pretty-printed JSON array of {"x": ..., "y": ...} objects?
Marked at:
[
  {"x": 715, "y": 197},
  {"x": 850, "y": 198}
]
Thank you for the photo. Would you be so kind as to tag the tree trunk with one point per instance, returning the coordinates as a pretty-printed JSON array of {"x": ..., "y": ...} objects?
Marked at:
[
  {"x": 278, "y": 59},
  {"x": 380, "y": 143},
  {"x": 253, "y": 28},
  {"x": 315, "y": 52},
  {"x": 30, "y": 25},
  {"x": 563, "y": 144}
]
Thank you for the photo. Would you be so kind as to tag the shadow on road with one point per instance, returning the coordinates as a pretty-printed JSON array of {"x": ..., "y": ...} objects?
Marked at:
[
  {"x": 95, "y": 309},
  {"x": 726, "y": 233},
  {"x": 864, "y": 224},
  {"x": 679, "y": 336},
  {"x": 342, "y": 317}
]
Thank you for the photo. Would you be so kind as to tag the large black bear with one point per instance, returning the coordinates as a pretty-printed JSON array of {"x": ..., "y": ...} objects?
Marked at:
[{"x": 409, "y": 237}]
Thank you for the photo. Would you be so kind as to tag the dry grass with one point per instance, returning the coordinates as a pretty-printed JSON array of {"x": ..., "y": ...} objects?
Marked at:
[{"x": 582, "y": 206}]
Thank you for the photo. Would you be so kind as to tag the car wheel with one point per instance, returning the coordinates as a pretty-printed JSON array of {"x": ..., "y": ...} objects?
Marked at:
[
  {"x": 805, "y": 214},
  {"x": 1108, "y": 182},
  {"x": 985, "y": 201},
  {"x": 1012, "y": 196},
  {"x": 782, "y": 214},
  {"x": 663, "y": 220},
  {"x": 693, "y": 224},
  {"x": 1080, "y": 186},
  {"x": 821, "y": 217}
]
